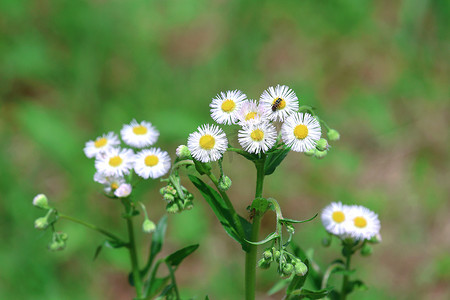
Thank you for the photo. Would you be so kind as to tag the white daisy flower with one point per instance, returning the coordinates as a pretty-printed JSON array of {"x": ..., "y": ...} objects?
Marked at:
[
  {"x": 256, "y": 138},
  {"x": 335, "y": 218},
  {"x": 279, "y": 102},
  {"x": 363, "y": 223},
  {"x": 101, "y": 144},
  {"x": 139, "y": 135},
  {"x": 152, "y": 163},
  {"x": 115, "y": 162},
  {"x": 123, "y": 191},
  {"x": 251, "y": 113},
  {"x": 110, "y": 183},
  {"x": 208, "y": 143},
  {"x": 301, "y": 132},
  {"x": 225, "y": 107}
]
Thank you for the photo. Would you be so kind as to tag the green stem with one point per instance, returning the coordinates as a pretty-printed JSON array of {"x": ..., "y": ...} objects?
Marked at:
[
  {"x": 346, "y": 278},
  {"x": 172, "y": 277},
  {"x": 327, "y": 274},
  {"x": 250, "y": 256},
  {"x": 93, "y": 227},
  {"x": 134, "y": 259}
]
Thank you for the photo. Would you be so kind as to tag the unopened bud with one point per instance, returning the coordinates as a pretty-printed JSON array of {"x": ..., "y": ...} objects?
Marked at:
[
  {"x": 320, "y": 154},
  {"x": 41, "y": 223},
  {"x": 276, "y": 254},
  {"x": 63, "y": 236},
  {"x": 263, "y": 264},
  {"x": 322, "y": 144},
  {"x": 287, "y": 269},
  {"x": 300, "y": 268},
  {"x": 123, "y": 191},
  {"x": 333, "y": 135},
  {"x": 172, "y": 208},
  {"x": 267, "y": 254},
  {"x": 148, "y": 226},
  {"x": 366, "y": 250},
  {"x": 168, "y": 197},
  {"x": 290, "y": 229},
  {"x": 41, "y": 201},
  {"x": 183, "y": 152},
  {"x": 224, "y": 183},
  {"x": 376, "y": 239},
  {"x": 56, "y": 245},
  {"x": 310, "y": 152}
]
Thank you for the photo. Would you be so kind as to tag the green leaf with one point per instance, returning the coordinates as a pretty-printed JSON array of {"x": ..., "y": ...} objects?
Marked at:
[
  {"x": 156, "y": 286},
  {"x": 168, "y": 289},
  {"x": 158, "y": 237},
  {"x": 261, "y": 205},
  {"x": 110, "y": 244},
  {"x": 356, "y": 285},
  {"x": 274, "y": 159},
  {"x": 298, "y": 222},
  {"x": 278, "y": 286},
  {"x": 343, "y": 271},
  {"x": 177, "y": 257},
  {"x": 219, "y": 208},
  {"x": 202, "y": 168},
  {"x": 309, "y": 294},
  {"x": 297, "y": 282},
  {"x": 270, "y": 237}
]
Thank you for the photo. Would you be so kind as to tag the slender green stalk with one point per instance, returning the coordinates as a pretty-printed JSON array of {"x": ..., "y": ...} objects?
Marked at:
[
  {"x": 93, "y": 227},
  {"x": 346, "y": 278},
  {"x": 134, "y": 260},
  {"x": 327, "y": 274},
  {"x": 250, "y": 257},
  {"x": 172, "y": 277}
]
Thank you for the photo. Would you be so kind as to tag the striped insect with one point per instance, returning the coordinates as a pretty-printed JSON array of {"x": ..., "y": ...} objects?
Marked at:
[{"x": 276, "y": 104}]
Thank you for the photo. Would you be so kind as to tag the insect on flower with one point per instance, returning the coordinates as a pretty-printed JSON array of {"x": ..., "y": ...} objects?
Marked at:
[{"x": 276, "y": 104}]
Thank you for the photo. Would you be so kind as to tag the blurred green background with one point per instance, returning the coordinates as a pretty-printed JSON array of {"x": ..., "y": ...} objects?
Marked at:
[{"x": 377, "y": 71}]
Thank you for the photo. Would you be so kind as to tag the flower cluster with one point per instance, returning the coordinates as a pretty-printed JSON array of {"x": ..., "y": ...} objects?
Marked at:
[
  {"x": 288, "y": 263},
  {"x": 300, "y": 130},
  {"x": 354, "y": 221},
  {"x": 114, "y": 163}
]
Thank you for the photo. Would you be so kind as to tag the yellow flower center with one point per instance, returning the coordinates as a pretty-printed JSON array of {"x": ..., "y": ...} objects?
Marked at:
[
  {"x": 115, "y": 161},
  {"x": 140, "y": 130},
  {"x": 207, "y": 142},
  {"x": 280, "y": 103},
  {"x": 100, "y": 142},
  {"x": 257, "y": 135},
  {"x": 228, "y": 105},
  {"x": 338, "y": 216},
  {"x": 151, "y": 160},
  {"x": 250, "y": 115},
  {"x": 360, "y": 222},
  {"x": 114, "y": 186},
  {"x": 301, "y": 131}
]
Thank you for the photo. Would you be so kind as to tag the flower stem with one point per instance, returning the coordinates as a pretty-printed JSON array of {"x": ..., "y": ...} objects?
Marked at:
[
  {"x": 250, "y": 257},
  {"x": 93, "y": 227},
  {"x": 134, "y": 259},
  {"x": 346, "y": 277}
]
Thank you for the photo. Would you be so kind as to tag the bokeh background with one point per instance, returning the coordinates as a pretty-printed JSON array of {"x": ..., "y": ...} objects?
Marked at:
[{"x": 377, "y": 71}]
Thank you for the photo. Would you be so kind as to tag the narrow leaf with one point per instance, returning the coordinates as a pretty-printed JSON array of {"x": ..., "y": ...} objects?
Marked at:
[
  {"x": 309, "y": 294},
  {"x": 156, "y": 286},
  {"x": 297, "y": 222},
  {"x": 177, "y": 257},
  {"x": 278, "y": 286},
  {"x": 158, "y": 237},
  {"x": 270, "y": 237},
  {"x": 274, "y": 159}
]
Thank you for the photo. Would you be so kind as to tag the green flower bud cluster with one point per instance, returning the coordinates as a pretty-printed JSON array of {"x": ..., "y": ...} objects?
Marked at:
[
  {"x": 288, "y": 264},
  {"x": 175, "y": 202},
  {"x": 224, "y": 183},
  {"x": 58, "y": 242}
]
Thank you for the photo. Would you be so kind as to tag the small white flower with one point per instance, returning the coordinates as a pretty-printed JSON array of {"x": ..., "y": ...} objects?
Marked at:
[
  {"x": 335, "y": 218},
  {"x": 363, "y": 223},
  {"x": 208, "y": 143},
  {"x": 152, "y": 163},
  {"x": 183, "y": 152},
  {"x": 225, "y": 107},
  {"x": 251, "y": 113},
  {"x": 101, "y": 144},
  {"x": 279, "y": 102},
  {"x": 256, "y": 138},
  {"x": 110, "y": 183},
  {"x": 139, "y": 135},
  {"x": 123, "y": 191},
  {"x": 115, "y": 162},
  {"x": 301, "y": 132}
]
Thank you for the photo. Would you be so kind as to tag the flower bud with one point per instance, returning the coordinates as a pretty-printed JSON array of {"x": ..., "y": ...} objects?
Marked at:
[
  {"x": 123, "y": 191},
  {"x": 56, "y": 245},
  {"x": 276, "y": 254},
  {"x": 148, "y": 226},
  {"x": 63, "y": 236},
  {"x": 183, "y": 152},
  {"x": 263, "y": 264},
  {"x": 290, "y": 229},
  {"x": 41, "y": 201},
  {"x": 172, "y": 208},
  {"x": 287, "y": 269},
  {"x": 333, "y": 135},
  {"x": 376, "y": 239},
  {"x": 162, "y": 191},
  {"x": 267, "y": 255},
  {"x": 300, "y": 268},
  {"x": 322, "y": 144},
  {"x": 310, "y": 152},
  {"x": 171, "y": 190},
  {"x": 366, "y": 250},
  {"x": 320, "y": 154},
  {"x": 168, "y": 197},
  {"x": 224, "y": 183},
  {"x": 41, "y": 223}
]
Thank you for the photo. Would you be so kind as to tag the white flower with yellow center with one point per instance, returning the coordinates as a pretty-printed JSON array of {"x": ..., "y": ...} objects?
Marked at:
[
  {"x": 225, "y": 107},
  {"x": 251, "y": 113},
  {"x": 301, "y": 132},
  {"x": 335, "y": 218},
  {"x": 208, "y": 143},
  {"x": 139, "y": 135},
  {"x": 115, "y": 162},
  {"x": 101, "y": 144},
  {"x": 279, "y": 102},
  {"x": 363, "y": 223},
  {"x": 152, "y": 163},
  {"x": 256, "y": 138},
  {"x": 110, "y": 183}
]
